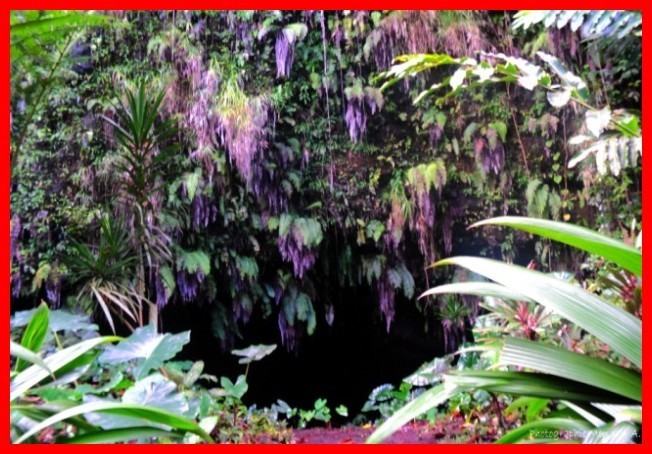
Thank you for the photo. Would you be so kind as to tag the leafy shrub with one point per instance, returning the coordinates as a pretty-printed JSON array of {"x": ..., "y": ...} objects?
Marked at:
[{"x": 602, "y": 398}]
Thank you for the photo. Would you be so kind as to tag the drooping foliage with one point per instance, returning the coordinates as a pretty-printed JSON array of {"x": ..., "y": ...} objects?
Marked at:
[{"x": 276, "y": 173}]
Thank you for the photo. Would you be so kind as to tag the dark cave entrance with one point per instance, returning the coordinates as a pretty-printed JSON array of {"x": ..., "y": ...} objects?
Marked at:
[{"x": 342, "y": 363}]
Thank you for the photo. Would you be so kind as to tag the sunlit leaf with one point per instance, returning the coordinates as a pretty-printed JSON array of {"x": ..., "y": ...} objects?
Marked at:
[
  {"x": 34, "y": 334},
  {"x": 253, "y": 353},
  {"x": 147, "y": 348},
  {"x": 616, "y": 251},
  {"x": 27, "y": 355},
  {"x": 559, "y": 98},
  {"x": 575, "y": 366},
  {"x": 619, "y": 329},
  {"x": 150, "y": 414},
  {"x": 597, "y": 120}
]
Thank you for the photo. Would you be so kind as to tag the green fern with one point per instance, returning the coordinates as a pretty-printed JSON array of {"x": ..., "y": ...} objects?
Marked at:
[
  {"x": 306, "y": 312},
  {"x": 41, "y": 275},
  {"x": 394, "y": 278},
  {"x": 542, "y": 201},
  {"x": 469, "y": 131},
  {"x": 191, "y": 182},
  {"x": 284, "y": 224},
  {"x": 247, "y": 267},
  {"x": 168, "y": 280},
  {"x": 407, "y": 281},
  {"x": 195, "y": 261},
  {"x": 426, "y": 177},
  {"x": 375, "y": 229},
  {"x": 309, "y": 230},
  {"x": 373, "y": 267}
]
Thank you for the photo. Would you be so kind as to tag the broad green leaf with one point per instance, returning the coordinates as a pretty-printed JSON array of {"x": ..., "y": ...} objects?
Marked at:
[
  {"x": 483, "y": 289},
  {"x": 543, "y": 427},
  {"x": 375, "y": 229},
  {"x": 21, "y": 352},
  {"x": 236, "y": 390},
  {"x": 35, "y": 374},
  {"x": 49, "y": 21},
  {"x": 41, "y": 276},
  {"x": 272, "y": 223},
  {"x": 533, "y": 407},
  {"x": 284, "y": 224},
  {"x": 568, "y": 78},
  {"x": 500, "y": 128},
  {"x": 532, "y": 384},
  {"x": 582, "y": 155},
  {"x": 579, "y": 139},
  {"x": 34, "y": 334},
  {"x": 121, "y": 435},
  {"x": 149, "y": 349},
  {"x": 429, "y": 399},
  {"x": 619, "y": 329},
  {"x": 630, "y": 126},
  {"x": 528, "y": 81},
  {"x": 566, "y": 364},
  {"x": 616, "y": 251},
  {"x": 154, "y": 391},
  {"x": 149, "y": 414},
  {"x": 253, "y": 353},
  {"x": 484, "y": 72},
  {"x": 430, "y": 373},
  {"x": 157, "y": 391}
]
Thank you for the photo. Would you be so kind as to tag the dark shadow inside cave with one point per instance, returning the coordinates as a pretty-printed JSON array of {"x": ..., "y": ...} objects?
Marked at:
[{"x": 342, "y": 363}]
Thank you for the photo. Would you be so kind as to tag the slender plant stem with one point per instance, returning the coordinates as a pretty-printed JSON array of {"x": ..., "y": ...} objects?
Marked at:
[{"x": 518, "y": 134}]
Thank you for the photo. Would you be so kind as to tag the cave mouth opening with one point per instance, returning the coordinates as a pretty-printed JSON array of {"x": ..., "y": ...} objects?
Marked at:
[{"x": 342, "y": 363}]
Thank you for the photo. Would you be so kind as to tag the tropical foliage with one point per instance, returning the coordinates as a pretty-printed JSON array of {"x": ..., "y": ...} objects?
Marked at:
[
  {"x": 90, "y": 391},
  {"x": 216, "y": 165},
  {"x": 596, "y": 391},
  {"x": 262, "y": 171}
]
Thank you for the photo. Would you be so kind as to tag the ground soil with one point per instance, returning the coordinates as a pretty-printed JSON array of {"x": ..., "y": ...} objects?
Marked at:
[{"x": 453, "y": 429}]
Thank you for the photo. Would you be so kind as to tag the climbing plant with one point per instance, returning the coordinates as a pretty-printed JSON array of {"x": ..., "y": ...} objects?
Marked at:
[{"x": 260, "y": 168}]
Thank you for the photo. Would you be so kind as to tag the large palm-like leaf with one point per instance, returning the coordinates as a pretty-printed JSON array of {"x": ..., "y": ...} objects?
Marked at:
[
  {"x": 624, "y": 255},
  {"x": 588, "y": 385},
  {"x": 153, "y": 414},
  {"x": 614, "y": 326}
]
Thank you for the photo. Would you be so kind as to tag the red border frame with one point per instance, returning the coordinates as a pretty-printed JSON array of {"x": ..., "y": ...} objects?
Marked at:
[{"x": 294, "y": 4}]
